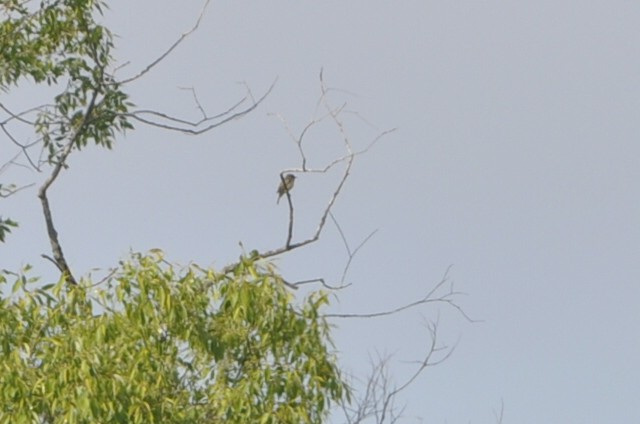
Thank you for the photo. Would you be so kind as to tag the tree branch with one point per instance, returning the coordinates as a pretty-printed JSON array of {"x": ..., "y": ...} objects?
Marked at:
[
  {"x": 20, "y": 117},
  {"x": 378, "y": 400},
  {"x": 56, "y": 248},
  {"x": 171, "y": 48},
  {"x": 348, "y": 159},
  {"x": 447, "y": 298},
  {"x": 424, "y": 364},
  {"x": 173, "y": 123},
  {"x": 350, "y": 253}
]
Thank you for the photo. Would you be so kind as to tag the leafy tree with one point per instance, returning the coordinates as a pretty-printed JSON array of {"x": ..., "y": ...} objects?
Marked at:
[{"x": 182, "y": 346}]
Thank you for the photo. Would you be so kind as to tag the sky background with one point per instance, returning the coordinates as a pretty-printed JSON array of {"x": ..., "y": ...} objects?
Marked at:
[{"x": 516, "y": 162}]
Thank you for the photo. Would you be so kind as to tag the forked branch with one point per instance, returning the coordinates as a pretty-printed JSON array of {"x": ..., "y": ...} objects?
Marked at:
[
  {"x": 432, "y": 296},
  {"x": 377, "y": 403},
  {"x": 206, "y": 123},
  {"x": 333, "y": 113}
]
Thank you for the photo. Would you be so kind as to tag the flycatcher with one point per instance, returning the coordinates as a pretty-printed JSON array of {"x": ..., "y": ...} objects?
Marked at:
[{"x": 285, "y": 185}]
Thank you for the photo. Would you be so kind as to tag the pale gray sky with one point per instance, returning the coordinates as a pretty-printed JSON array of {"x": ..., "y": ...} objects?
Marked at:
[{"x": 515, "y": 160}]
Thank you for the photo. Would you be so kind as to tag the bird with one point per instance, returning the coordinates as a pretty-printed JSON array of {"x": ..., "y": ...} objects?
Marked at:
[{"x": 286, "y": 185}]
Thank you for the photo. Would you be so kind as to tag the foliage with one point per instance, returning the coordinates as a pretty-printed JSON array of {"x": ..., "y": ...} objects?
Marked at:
[
  {"x": 60, "y": 42},
  {"x": 5, "y": 227},
  {"x": 157, "y": 344}
]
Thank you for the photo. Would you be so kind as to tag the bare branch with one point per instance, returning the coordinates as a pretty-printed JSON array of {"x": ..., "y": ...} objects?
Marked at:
[
  {"x": 300, "y": 138},
  {"x": 20, "y": 117},
  {"x": 349, "y": 159},
  {"x": 10, "y": 162},
  {"x": 171, "y": 48},
  {"x": 197, "y": 102},
  {"x": 426, "y": 362},
  {"x": 378, "y": 400},
  {"x": 447, "y": 298},
  {"x": 373, "y": 394},
  {"x": 22, "y": 147},
  {"x": 332, "y": 113},
  {"x": 291, "y": 246},
  {"x": 192, "y": 127},
  {"x": 350, "y": 253}
]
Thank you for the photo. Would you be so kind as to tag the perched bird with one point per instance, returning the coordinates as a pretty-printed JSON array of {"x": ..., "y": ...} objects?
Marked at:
[{"x": 285, "y": 185}]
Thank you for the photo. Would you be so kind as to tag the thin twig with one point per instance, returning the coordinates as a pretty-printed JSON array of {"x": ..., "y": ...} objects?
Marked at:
[
  {"x": 199, "y": 106},
  {"x": 351, "y": 254},
  {"x": 12, "y": 191},
  {"x": 10, "y": 162},
  {"x": 447, "y": 298},
  {"x": 19, "y": 116},
  {"x": 192, "y": 127},
  {"x": 378, "y": 400},
  {"x": 424, "y": 364},
  {"x": 171, "y": 48}
]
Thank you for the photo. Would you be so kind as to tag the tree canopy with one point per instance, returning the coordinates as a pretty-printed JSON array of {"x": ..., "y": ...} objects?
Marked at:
[{"x": 153, "y": 343}]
